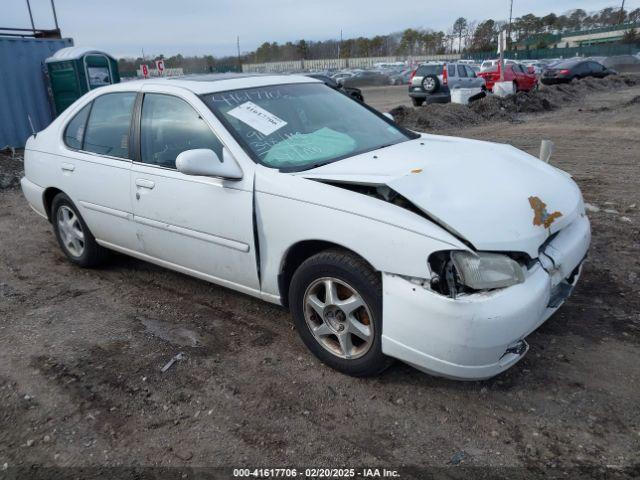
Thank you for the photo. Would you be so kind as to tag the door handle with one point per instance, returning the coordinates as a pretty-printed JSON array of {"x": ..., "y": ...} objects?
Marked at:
[
  {"x": 144, "y": 183},
  {"x": 68, "y": 167}
]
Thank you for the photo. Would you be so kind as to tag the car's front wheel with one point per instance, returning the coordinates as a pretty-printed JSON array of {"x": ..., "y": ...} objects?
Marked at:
[
  {"x": 336, "y": 302},
  {"x": 73, "y": 235}
]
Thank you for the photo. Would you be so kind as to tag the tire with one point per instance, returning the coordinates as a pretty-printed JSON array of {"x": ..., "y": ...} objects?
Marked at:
[
  {"x": 352, "y": 279},
  {"x": 430, "y": 83},
  {"x": 417, "y": 102},
  {"x": 74, "y": 237}
]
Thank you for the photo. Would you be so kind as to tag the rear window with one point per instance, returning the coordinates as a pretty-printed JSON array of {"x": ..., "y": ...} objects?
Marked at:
[
  {"x": 424, "y": 70},
  {"x": 74, "y": 133}
]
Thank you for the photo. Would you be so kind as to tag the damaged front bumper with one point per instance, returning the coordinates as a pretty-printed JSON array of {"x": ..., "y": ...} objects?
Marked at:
[{"x": 477, "y": 336}]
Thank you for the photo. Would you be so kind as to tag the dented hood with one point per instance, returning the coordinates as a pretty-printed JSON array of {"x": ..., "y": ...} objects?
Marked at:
[{"x": 492, "y": 195}]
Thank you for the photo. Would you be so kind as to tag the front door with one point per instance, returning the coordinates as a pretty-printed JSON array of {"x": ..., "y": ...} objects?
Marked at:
[{"x": 202, "y": 225}]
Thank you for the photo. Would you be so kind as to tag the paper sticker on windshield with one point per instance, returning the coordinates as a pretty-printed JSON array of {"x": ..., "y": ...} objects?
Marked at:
[{"x": 257, "y": 118}]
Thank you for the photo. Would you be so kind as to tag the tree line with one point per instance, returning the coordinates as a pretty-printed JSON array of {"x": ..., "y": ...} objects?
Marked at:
[{"x": 463, "y": 35}]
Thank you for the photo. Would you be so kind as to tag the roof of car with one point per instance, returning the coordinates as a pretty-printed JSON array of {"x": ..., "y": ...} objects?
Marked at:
[{"x": 220, "y": 82}]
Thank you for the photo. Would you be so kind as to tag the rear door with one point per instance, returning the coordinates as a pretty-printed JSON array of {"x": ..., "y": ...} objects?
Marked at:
[
  {"x": 463, "y": 78},
  {"x": 597, "y": 70},
  {"x": 453, "y": 80},
  {"x": 96, "y": 164},
  {"x": 202, "y": 225},
  {"x": 582, "y": 70},
  {"x": 520, "y": 77}
]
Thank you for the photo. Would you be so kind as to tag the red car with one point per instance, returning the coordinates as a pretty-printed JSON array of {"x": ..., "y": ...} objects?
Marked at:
[{"x": 523, "y": 79}]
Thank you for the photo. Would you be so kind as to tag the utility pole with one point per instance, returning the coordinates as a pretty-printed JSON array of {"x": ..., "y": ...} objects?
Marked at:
[
  {"x": 508, "y": 39},
  {"x": 621, "y": 15},
  {"x": 33, "y": 27},
  {"x": 238, "y": 46}
]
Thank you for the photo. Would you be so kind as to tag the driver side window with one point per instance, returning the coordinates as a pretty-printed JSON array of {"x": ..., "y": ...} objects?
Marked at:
[{"x": 169, "y": 126}]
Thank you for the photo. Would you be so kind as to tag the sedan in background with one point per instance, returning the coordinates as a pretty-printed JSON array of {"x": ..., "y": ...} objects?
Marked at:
[
  {"x": 523, "y": 80},
  {"x": 400, "y": 77},
  {"x": 569, "y": 70},
  {"x": 352, "y": 92},
  {"x": 340, "y": 76},
  {"x": 366, "y": 78}
]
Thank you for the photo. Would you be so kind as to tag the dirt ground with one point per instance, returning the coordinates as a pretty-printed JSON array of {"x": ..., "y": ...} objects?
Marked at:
[{"x": 81, "y": 352}]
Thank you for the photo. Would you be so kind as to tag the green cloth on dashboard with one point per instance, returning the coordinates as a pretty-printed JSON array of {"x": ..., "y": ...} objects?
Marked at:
[{"x": 304, "y": 148}]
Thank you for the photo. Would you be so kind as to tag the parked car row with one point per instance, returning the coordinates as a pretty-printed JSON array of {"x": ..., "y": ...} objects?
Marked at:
[{"x": 432, "y": 82}]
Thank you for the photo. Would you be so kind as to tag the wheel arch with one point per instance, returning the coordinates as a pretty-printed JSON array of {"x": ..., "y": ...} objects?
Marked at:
[
  {"x": 47, "y": 199},
  {"x": 296, "y": 254}
]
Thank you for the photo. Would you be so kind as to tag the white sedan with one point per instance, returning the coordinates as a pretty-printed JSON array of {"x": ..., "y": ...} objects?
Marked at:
[{"x": 442, "y": 252}]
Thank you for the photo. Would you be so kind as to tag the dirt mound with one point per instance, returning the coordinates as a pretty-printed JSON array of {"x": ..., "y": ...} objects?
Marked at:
[
  {"x": 435, "y": 116},
  {"x": 492, "y": 108}
]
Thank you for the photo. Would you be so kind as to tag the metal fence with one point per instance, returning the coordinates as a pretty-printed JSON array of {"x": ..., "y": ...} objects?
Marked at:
[
  {"x": 337, "y": 63},
  {"x": 605, "y": 50},
  {"x": 23, "y": 90}
]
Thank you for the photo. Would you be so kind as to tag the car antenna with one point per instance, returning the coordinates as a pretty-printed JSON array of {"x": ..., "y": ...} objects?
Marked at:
[{"x": 33, "y": 130}]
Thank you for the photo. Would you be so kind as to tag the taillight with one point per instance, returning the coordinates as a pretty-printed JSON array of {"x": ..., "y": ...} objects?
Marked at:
[
  {"x": 413, "y": 74},
  {"x": 445, "y": 76},
  {"x": 564, "y": 71}
]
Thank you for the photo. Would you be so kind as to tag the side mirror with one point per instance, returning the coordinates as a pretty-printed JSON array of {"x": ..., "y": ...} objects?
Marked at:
[
  {"x": 389, "y": 116},
  {"x": 206, "y": 163}
]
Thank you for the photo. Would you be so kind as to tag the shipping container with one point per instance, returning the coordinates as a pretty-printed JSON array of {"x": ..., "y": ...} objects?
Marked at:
[{"x": 23, "y": 89}]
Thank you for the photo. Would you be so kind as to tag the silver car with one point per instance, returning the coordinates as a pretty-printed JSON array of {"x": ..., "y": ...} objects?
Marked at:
[{"x": 433, "y": 82}]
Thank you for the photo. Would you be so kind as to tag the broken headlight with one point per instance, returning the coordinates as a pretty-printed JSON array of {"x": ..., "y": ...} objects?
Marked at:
[{"x": 484, "y": 270}]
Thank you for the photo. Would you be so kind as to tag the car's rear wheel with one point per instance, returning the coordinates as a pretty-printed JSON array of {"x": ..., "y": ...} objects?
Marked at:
[
  {"x": 74, "y": 237},
  {"x": 417, "y": 102},
  {"x": 336, "y": 303}
]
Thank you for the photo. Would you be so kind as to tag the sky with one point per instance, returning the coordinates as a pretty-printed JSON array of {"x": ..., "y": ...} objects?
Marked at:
[{"x": 124, "y": 28}]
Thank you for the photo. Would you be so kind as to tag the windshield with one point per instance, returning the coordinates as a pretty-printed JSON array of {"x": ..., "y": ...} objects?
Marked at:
[{"x": 301, "y": 126}]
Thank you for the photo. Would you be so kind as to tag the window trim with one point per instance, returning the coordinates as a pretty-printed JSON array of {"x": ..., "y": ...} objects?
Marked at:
[{"x": 90, "y": 104}]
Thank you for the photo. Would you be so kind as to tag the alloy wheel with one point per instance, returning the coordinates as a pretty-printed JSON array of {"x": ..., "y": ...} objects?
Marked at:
[
  {"x": 429, "y": 84},
  {"x": 338, "y": 318},
  {"x": 70, "y": 230}
]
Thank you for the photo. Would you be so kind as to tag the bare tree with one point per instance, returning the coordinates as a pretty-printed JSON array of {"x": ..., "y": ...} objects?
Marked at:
[{"x": 459, "y": 28}]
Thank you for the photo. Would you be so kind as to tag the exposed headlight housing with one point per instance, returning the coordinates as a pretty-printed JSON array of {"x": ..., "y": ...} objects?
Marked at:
[{"x": 484, "y": 270}]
